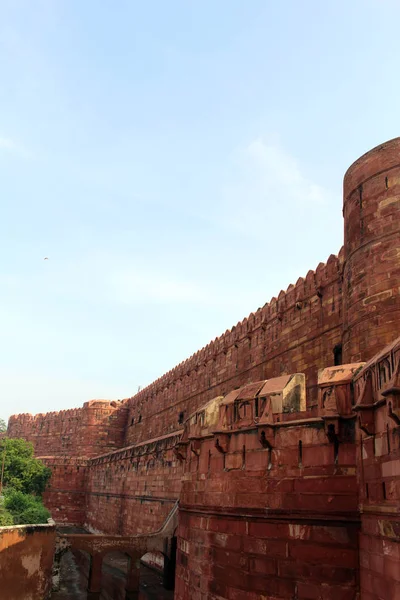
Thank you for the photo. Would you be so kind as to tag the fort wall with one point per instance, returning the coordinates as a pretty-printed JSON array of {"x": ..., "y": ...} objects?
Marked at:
[
  {"x": 65, "y": 494},
  {"x": 269, "y": 503},
  {"x": 133, "y": 490}
]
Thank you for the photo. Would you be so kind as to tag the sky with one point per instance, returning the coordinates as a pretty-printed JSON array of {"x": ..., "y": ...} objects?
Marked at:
[{"x": 179, "y": 163}]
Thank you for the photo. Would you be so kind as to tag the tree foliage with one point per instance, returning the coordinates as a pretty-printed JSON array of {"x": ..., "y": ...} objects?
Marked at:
[
  {"x": 25, "y": 508},
  {"x": 3, "y": 426},
  {"x": 24, "y": 480},
  {"x": 6, "y": 517},
  {"x": 22, "y": 471}
]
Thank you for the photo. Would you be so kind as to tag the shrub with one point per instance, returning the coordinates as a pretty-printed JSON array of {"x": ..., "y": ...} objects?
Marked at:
[
  {"x": 25, "y": 508},
  {"x": 6, "y": 517}
]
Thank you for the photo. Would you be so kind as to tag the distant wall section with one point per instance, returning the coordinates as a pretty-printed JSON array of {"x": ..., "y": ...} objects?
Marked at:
[{"x": 95, "y": 428}]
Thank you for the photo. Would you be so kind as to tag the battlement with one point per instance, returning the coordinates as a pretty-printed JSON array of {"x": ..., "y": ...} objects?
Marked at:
[
  {"x": 376, "y": 161},
  {"x": 293, "y": 299},
  {"x": 288, "y": 334},
  {"x": 98, "y": 426}
]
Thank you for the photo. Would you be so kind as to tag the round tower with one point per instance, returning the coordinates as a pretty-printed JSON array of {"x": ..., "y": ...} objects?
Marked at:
[{"x": 371, "y": 276}]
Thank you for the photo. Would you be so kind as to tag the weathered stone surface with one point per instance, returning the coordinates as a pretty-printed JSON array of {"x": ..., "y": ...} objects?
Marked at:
[{"x": 26, "y": 561}]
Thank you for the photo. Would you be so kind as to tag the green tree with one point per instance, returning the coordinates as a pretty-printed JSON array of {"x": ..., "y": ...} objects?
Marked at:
[
  {"x": 24, "y": 508},
  {"x": 22, "y": 471},
  {"x": 3, "y": 426},
  {"x": 6, "y": 517}
]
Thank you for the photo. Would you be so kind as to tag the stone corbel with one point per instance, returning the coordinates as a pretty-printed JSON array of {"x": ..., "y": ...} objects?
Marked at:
[
  {"x": 366, "y": 419},
  {"x": 393, "y": 406},
  {"x": 222, "y": 442},
  {"x": 266, "y": 437},
  {"x": 195, "y": 447},
  {"x": 331, "y": 425},
  {"x": 365, "y": 407},
  {"x": 392, "y": 395},
  {"x": 180, "y": 451}
]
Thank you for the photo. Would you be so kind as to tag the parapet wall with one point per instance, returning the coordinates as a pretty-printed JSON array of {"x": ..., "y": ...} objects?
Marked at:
[
  {"x": 295, "y": 332},
  {"x": 26, "y": 561}
]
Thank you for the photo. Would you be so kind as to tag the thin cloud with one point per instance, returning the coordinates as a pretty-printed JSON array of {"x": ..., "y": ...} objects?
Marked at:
[
  {"x": 7, "y": 144},
  {"x": 11, "y": 146},
  {"x": 263, "y": 176}
]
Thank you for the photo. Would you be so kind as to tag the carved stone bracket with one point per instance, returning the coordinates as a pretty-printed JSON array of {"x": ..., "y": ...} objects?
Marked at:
[
  {"x": 195, "y": 447},
  {"x": 222, "y": 442},
  {"x": 366, "y": 418},
  {"x": 180, "y": 451},
  {"x": 266, "y": 437},
  {"x": 393, "y": 406},
  {"x": 392, "y": 395},
  {"x": 332, "y": 427}
]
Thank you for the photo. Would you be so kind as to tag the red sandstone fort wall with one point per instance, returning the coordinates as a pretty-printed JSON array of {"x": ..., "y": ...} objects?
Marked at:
[
  {"x": 66, "y": 493},
  {"x": 133, "y": 490},
  {"x": 269, "y": 508}
]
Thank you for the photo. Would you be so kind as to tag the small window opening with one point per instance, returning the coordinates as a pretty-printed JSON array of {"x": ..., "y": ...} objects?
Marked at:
[
  {"x": 256, "y": 409},
  {"x": 387, "y": 183},
  {"x": 181, "y": 417},
  {"x": 337, "y": 355},
  {"x": 132, "y": 421},
  {"x": 366, "y": 490},
  {"x": 388, "y": 438},
  {"x": 384, "y": 490},
  {"x": 300, "y": 453},
  {"x": 140, "y": 419}
]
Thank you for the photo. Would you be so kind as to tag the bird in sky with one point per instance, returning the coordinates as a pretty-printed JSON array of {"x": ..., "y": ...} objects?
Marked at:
[{"x": 45, "y": 258}]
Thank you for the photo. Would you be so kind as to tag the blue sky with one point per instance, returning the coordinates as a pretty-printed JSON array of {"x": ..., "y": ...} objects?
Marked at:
[{"x": 179, "y": 163}]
